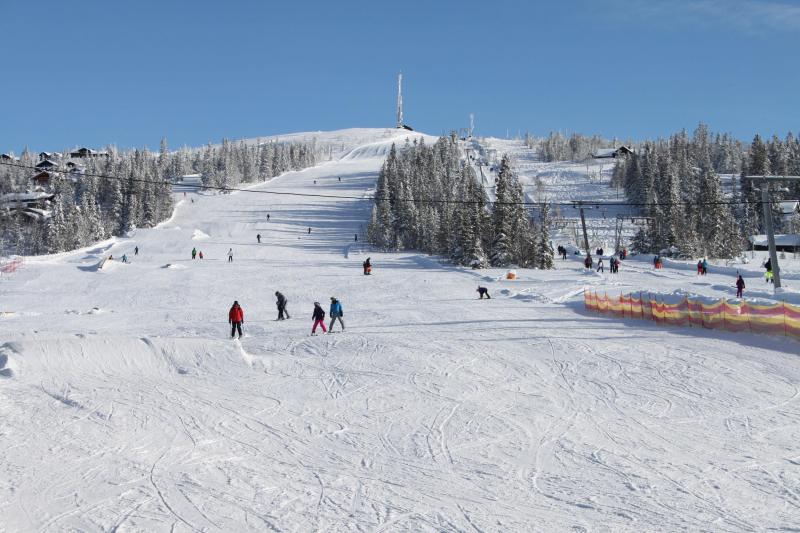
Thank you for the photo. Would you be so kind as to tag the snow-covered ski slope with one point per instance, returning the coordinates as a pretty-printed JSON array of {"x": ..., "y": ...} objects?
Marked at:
[{"x": 124, "y": 407}]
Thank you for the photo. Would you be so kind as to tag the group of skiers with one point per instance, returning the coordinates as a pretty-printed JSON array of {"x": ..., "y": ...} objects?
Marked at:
[
  {"x": 336, "y": 312},
  {"x": 199, "y": 254}
]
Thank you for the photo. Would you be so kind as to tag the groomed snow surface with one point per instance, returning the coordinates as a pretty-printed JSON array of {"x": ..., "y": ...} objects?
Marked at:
[{"x": 125, "y": 407}]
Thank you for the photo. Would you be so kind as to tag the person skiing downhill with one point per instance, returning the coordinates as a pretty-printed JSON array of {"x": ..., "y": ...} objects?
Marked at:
[
  {"x": 483, "y": 291},
  {"x": 739, "y": 287},
  {"x": 230, "y": 255},
  {"x": 194, "y": 253},
  {"x": 282, "y": 305},
  {"x": 258, "y": 237},
  {"x": 319, "y": 318},
  {"x": 236, "y": 319},
  {"x": 336, "y": 312},
  {"x": 136, "y": 251}
]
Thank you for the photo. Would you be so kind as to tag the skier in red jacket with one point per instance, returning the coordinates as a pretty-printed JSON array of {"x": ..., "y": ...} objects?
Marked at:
[{"x": 236, "y": 319}]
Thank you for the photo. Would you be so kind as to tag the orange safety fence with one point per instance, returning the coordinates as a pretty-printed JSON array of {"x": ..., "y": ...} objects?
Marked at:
[
  {"x": 9, "y": 267},
  {"x": 738, "y": 315}
]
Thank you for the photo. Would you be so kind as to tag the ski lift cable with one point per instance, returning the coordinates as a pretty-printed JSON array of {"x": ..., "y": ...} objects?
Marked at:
[{"x": 572, "y": 203}]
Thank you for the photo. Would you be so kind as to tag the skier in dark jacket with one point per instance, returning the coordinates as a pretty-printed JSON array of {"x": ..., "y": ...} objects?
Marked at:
[
  {"x": 739, "y": 287},
  {"x": 319, "y": 318},
  {"x": 367, "y": 267},
  {"x": 236, "y": 319},
  {"x": 483, "y": 291},
  {"x": 282, "y": 306},
  {"x": 258, "y": 238},
  {"x": 335, "y": 312}
]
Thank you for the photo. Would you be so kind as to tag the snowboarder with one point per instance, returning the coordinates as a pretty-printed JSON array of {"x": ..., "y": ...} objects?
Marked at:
[
  {"x": 194, "y": 253},
  {"x": 367, "y": 267},
  {"x": 236, "y": 319},
  {"x": 258, "y": 238},
  {"x": 705, "y": 266},
  {"x": 230, "y": 255},
  {"x": 281, "y": 306},
  {"x": 336, "y": 312},
  {"x": 600, "y": 267},
  {"x": 483, "y": 291},
  {"x": 739, "y": 287},
  {"x": 201, "y": 254},
  {"x": 124, "y": 258},
  {"x": 136, "y": 251},
  {"x": 319, "y": 318}
]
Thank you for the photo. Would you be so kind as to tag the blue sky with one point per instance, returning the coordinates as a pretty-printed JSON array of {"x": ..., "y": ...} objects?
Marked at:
[{"x": 128, "y": 73}]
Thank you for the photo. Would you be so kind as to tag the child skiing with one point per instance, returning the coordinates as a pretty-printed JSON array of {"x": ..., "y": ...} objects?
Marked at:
[
  {"x": 600, "y": 267},
  {"x": 319, "y": 318},
  {"x": 201, "y": 254},
  {"x": 335, "y": 312},
  {"x": 236, "y": 319}
]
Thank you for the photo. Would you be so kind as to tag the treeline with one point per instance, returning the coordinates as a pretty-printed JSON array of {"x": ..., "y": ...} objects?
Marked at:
[
  {"x": 429, "y": 199},
  {"x": 676, "y": 182},
  {"x": 558, "y": 147},
  {"x": 137, "y": 193}
]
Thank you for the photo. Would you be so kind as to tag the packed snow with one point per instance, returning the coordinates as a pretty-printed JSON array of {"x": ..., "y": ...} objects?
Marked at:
[{"x": 124, "y": 405}]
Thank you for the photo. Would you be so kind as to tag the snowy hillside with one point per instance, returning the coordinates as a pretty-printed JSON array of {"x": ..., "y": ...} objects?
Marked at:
[{"x": 124, "y": 406}]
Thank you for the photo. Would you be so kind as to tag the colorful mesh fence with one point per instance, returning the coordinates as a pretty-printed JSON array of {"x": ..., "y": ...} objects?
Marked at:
[{"x": 740, "y": 315}]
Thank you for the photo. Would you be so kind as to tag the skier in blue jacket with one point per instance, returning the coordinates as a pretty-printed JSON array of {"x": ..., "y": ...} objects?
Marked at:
[{"x": 336, "y": 312}]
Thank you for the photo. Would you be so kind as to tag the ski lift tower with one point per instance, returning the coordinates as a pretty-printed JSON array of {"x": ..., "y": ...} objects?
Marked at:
[
  {"x": 400, "y": 100},
  {"x": 766, "y": 204}
]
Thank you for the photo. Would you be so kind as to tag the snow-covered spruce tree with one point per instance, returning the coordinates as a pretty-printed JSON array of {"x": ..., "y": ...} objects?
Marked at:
[
  {"x": 501, "y": 253},
  {"x": 719, "y": 233},
  {"x": 545, "y": 255},
  {"x": 750, "y": 197}
]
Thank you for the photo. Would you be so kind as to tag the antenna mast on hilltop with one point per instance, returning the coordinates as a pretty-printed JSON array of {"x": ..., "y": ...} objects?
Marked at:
[{"x": 400, "y": 100}]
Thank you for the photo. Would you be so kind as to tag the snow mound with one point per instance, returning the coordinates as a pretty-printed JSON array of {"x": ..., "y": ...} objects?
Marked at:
[
  {"x": 7, "y": 353},
  {"x": 198, "y": 235}
]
